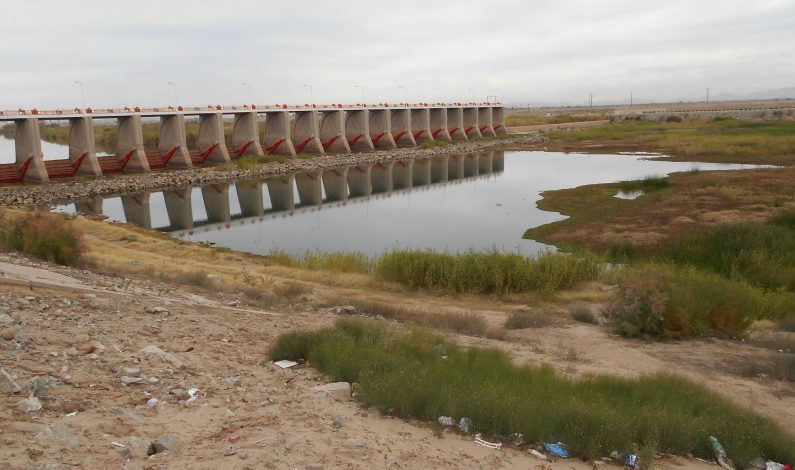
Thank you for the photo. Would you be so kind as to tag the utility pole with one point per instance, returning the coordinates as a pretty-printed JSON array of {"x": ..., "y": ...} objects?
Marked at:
[
  {"x": 590, "y": 100},
  {"x": 707, "y": 95},
  {"x": 630, "y": 97}
]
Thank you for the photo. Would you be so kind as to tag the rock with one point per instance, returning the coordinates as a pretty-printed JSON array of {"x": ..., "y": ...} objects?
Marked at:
[
  {"x": 758, "y": 463},
  {"x": 25, "y": 427},
  {"x": 89, "y": 347},
  {"x": 162, "y": 444},
  {"x": 231, "y": 381},
  {"x": 344, "y": 310},
  {"x": 131, "y": 371},
  {"x": 170, "y": 358},
  {"x": 152, "y": 402},
  {"x": 125, "y": 380},
  {"x": 156, "y": 310},
  {"x": 337, "y": 422},
  {"x": 353, "y": 443},
  {"x": 445, "y": 421},
  {"x": 615, "y": 455},
  {"x": 215, "y": 278},
  {"x": 126, "y": 454},
  {"x": 7, "y": 383},
  {"x": 229, "y": 451},
  {"x": 57, "y": 435},
  {"x": 96, "y": 302},
  {"x": 29, "y": 405},
  {"x": 8, "y": 333},
  {"x": 339, "y": 391},
  {"x": 465, "y": 425},
  {"x": 37, "y": 386},
  {"x": 6, "y": 320}
]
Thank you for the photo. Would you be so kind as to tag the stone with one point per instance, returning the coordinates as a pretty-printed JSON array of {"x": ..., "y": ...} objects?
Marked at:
[
  {"x": 445, "y": 421},
  {"x": 37, "y": 386},
  {"x": 170, "y": 358},
  {"x": 131, "y": 371},
  {"x": 6, "y": 320},
  {"x": 8, "y": 333},
  {"x": 125, "y": 454},
  {"x": 29, "y": 405},
  {"x": 156, "y": 310},
  {"x": 353, "y": 443},
  {"x": 339, "y": 391},
  {"x": 337, "y": 422},
  {"x": 25, "y": 427},
  {"x": 7, "y": 383},
  {"x": 89, "y": 347},
  {"x": 125, "y": 380},
  {"x": 231, "y": 381},
  {"x": 96, "y": 302},
  {"x": 57, "y": 435},
  {"x": 163, "y": 443}
]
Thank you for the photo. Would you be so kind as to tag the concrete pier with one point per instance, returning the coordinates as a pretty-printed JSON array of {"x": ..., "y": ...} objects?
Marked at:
[
  {"x": 440, "y": 169},
  {"x": 357, "y": 130},
  {"x": 216, "y": 202},
  {"x": 173, "y": 144},
  {"x": 179, "y": 207},
  {"x": 130, "y": 144},
  {"x": 381, "y": 129},
  {"x": 136, "y": 209},
  {"x": 498, "y": 161},
  {"x": 471, "y": 122},
  {"x": 455, "y": 124},
  {"x": 332, "y": 131},
  {"x": 484, "y": 122},
  {"x": 438, "y": 122},
  {"x": 82, "y": 148},
  {"x": 91, "y": 206},
  {"x": 211, "y": 140},
  {"x": 280, "y": 190},
  {"x": 381, "y": 177},
  {"x": 335, "y": 182},
  {"x": 484, "y": 164},
  {"x": 277, "y": 139},
  {"x": 471, "y": 165},
  {"x": 359, "y": 181},
  {"x": 250, "y": 198},
  {"x": 498, "y": 121},
  {"x": 401, "y": 127},
  {"x": 30, "y": 158},
  {"x": 245, "y": 136},
  {"x": 421, "y": 173},
  {"x": 421, "y": 125},
  {"x": 310, "y": 190},
  {"x": 402, "y": 177},
  {"x": 306, "y": 135},
  {"x": 455, "y": 167}
]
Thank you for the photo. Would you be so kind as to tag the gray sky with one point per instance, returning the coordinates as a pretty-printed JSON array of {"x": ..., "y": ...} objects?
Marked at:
[{"x": 126, "y": 52}]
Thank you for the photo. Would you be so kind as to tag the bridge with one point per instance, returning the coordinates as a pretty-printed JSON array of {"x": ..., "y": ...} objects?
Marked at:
[
  {"x": 335, "y": 186},
  {"x": 311, "y": 129}
]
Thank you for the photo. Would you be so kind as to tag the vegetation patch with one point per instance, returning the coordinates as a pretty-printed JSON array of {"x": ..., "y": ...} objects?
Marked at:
[
  {"x": 533, "y": 318},
  {"x": 43, "y": 235},
  {"x": 465, "y": 323},
  {"x": 647, "y": 184},
  {"x": 581, "y": 313},
  {"x": 516, "y": 120},
  {"x": 420, "y": 375}
]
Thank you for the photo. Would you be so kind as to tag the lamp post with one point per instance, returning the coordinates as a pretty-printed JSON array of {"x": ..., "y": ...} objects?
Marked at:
[
  {"x": 441, "y": 94},
  {"x": 361, "y": 89},
  {"x": 82, "y": 93},
  {"x": 473, "y": 94},
  {"x": 250, "y": 94},
  {"x": 176, "y": 93},
  {"x": 311, "y": 93},
  {"x": 405, "y": 94}
]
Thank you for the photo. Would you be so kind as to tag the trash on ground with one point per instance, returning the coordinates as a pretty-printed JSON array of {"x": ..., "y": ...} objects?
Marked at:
[
  {"x": 538, "y": 454},
  {"x": 195, "y": 394},
  {"x": 517, "y": 439},
  {"x": 771, "y": 465},
  {"x": 556, "y": 449},
  {"x": 74, "y": 413},
  {"x": 632, "y": 461},
  {"x": 491, "y": 445},
  {"x": 466, "y": 425},
  {"x": 446, "y": 421},
  {"x": 720, "y": 454},
  {"x": 285, "y": 364}
]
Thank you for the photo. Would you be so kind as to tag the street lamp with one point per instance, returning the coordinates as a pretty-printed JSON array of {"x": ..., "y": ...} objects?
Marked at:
[
  {"x": 441, "y": 94},
  {"x": 250, "y": 99},
  {"x": 311, "y": 93},
  {"x": 176, "y": 92},
  {"x": 82, "y": 93},
  {"x": 405, "y": 94},
  {"x": 473, "y": 93},
  {"x": 361, "y": 89}
]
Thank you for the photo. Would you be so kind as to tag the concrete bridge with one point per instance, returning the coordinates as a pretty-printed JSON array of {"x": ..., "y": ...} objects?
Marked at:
[
  {"x": 311, "y": 129},
  {"x": 337, "y": 186}
]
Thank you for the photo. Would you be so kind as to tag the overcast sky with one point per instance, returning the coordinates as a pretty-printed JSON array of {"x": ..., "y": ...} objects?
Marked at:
[{"x": 126, "y": 52}]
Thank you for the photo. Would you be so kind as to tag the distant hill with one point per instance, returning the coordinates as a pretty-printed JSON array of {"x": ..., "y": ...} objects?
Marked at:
[{"x": 781, "y": 93}]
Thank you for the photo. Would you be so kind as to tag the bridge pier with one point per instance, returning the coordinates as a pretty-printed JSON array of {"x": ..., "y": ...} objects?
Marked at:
[
  {"x": 439, "y": 169},
  {"x": 455, "y": 124},
  {"x": 402, "y": 174},
  {"x": 381, "y": 177},
  {"x": 401, "y": 127},
  {"x": 471, "y": 123},
  {"x": 498, "y": 161},
  {"x": 485, "y": 163},
  {"x": 280, "y": 190},
  {"x": 306, "y": 135},
  {"x": 438, "y": 123},
  {"x": 455, "y": 167},
  {"x": 310, "y": 191},
  {"x": 497, "y": 120},
  {"x": 179, "y": 207},
  {"x": 245, "y": 136},
  {"x": 357, "y": 130},
  {"x": 136, "y": 209},
  {"x": 30, "y": 158},
  {"x": 82, "y": 148},
  {"x": 471, "y": 165},
  {"x": 216, "y": 202},
  {"x": 173, "y": 145},
  {"x": 211, "y": 140},
  {"x": 91, "y": 206},
  {"x": 359, "y": 181},
  {"x": 130, "y": 144},
  {"x": 381, "y": 129},
  {"x": 250, "y": 198},
  {"x": 332, "y": 131},
  {"x": 335, "y": 183},
  {"x": 277, "y": 139},
  {"x": 421, "y": 125},
  {"x": 421, "y": 173},
  {"x": 484, "y": 122}
]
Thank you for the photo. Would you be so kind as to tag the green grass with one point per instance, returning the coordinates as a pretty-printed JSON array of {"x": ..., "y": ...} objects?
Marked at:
[
  {"x": 465, "y": 323},
  {"x": 581, "y": 313},
  {"x": 42, "y": 235},
  {"x": 533, "y": 318},
  {"x": 647, "y": 184},
  {"x": 430, "y": 144},
  {"x": 337, "y": 262},
  {"x": 405, "y": 374}
]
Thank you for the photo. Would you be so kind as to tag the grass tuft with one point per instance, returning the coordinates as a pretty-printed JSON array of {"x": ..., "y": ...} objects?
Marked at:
[
  {"x": 43, "y": 235},
  {"x": 581, "y": 313},
  {"x": 533, "y": 318}
]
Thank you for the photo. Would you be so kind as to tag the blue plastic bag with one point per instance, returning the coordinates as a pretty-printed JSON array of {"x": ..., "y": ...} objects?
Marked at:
[{"x": 557, "y": 450}]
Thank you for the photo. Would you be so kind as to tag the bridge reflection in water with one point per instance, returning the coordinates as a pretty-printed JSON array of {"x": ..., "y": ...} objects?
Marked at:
[{"x": 286, "y": 195}]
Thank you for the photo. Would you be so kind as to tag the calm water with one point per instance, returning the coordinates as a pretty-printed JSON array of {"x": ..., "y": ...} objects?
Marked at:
[{"x": 482, "y": 201}]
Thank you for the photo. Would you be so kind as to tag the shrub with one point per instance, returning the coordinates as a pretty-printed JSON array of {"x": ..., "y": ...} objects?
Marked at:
[
  {"x": 465, "y": 323},
  {"x": 673, "y": 118},
  {"x": 787, "y": 324},
  {"x": 583, "y": 314},
  {"x": 533, "y": 318},
  {"x": 355, "y": 262},
  {"x": 648, "y": 184},
  {"x": 44, "y": 235}
]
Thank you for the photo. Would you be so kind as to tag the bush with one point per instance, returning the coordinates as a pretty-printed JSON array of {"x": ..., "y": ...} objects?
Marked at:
[
  {"x": 44, "y": 235},
  {"x": 583, "y": 314},
  {"x": 533, "y": 318},
  {"x": 647, "y": 184},
  {"x": 465, "y": 323},
  {"x": 673, "y": 118}
]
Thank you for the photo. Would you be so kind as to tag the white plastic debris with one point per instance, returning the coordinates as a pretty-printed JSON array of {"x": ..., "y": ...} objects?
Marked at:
[
  {"x": 194, "y": 394},
  {"x": 538, "y": 454},
  {"x": 446, "y": 421},
  {"x": 490, "y": 445},
  {"x": 152, "y": 402},
  {"x": 285, "y": 364}
]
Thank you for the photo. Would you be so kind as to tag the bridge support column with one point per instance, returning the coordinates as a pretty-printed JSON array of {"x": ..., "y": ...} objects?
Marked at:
[
  {"x": 359, "y": 181},
  {"x": 335, "y": 183},
  {"x": 421, "y": 125},
  {"x": 179, "y": 207},
  {"x": 381, "y": 177},
  {"x": 30, "y": 159},
  {"x": 136, "y": 209},
  {"x": 306, "y": 134},
  {"x": 216, "y": 202},
  {"x": 484, "y": 122},
  {"x": 210, "y": 139},
  {"x": 484, "y": 163},
  {"x": 310, "y": 191},
  {"x": 173, "y": 145},
  {"x": 332, "y": 132},
  {"x": 439, "y": 169},
  {"x": 471, "y": 123},
  {"x": 421, "y": 173},
  {"x": 439, "y": 129},
  {"x": 250, "y": 198},
  {"x": 91, "y": 206},
  {"x": 401, "y": 127},
  {"x": 280, "y": 190},
  {"x": 82, "y": 148},
  {"x": 498, "y": 121},
  {"x": 402, "y": 174},
  {"x": 245, "y": 136},
  {"x": 357, "y": 130},
  {"x": 455, "y": 124},
  {"x": 381, "y": 129},
  {"x": 130, "y": 144},
  {"x": 455, "y": 167},
  {"x": 498, "y": 161},
  {"x": 277, "y": 139},
  {"x": 471, "y": 165}
]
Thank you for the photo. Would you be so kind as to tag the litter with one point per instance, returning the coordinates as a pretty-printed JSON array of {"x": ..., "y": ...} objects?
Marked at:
[
  {"x": 117, "y": 444},
  {"x": 466, "y": 425},
  {"x": 517, "y": 439},
  {"x": 720, "y": 454},
  {"x": 194, "y": 394},
  {"x": 771, "y": 465},
  {"x": 74, "y": 413},
  {"x": 285, "y": 364},
  {"x": 538, "y": 454},
  {"x": 490, "y": 445},
  {"x": 446, "y": 421},
  {"x": 556, "y": 449},
  {"x": 632, "y": 461}
]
